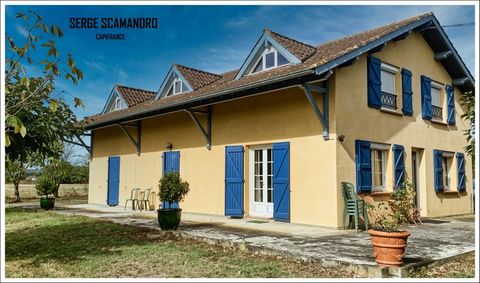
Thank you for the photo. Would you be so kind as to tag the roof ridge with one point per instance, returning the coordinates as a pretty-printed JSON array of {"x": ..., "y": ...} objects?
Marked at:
[
  {"x": 417, "y": 17},
  {"x": 197, "y": 70},
  {"x": 136, "y": 88},
  {"x": 289, "y": 38}
]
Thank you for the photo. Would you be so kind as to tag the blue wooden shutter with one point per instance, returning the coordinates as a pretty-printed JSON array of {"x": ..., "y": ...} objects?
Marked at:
[
  {"x": 281, "y": 181},
  {"x": 234, "y": 180},
  {"x": 374, "y": 82},
  {"x": 450, "y": 104},
  {"x": 426, "y": 88},
  {"x": 398, "y": 165},
  {"x": 461, "y": 172},
  {"x": 363, "y": 160},
  {"x": 171, "y": 163},
  {"x": 113, "y": 180},
  {"x": 437, "y": 170},
  {"x": 407, "y": 93}
]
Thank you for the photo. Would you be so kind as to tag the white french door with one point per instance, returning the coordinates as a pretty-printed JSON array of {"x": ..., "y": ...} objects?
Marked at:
[{"x": 261, "y": 182}]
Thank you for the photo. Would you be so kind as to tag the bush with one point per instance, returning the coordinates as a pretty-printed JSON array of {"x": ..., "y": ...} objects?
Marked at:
[
  {"x": 172, "y": 187},
  {"x": 389, "y": 216},
  {"x": 45, "y": 185}
]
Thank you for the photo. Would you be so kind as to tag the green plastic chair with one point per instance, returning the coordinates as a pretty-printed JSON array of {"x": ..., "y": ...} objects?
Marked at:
[{"x": 354, "y": 206}]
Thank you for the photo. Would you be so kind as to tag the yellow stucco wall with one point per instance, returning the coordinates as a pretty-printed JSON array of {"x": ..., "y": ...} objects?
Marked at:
[
  {"x": 317, "y": 166},
  {"x": 282, "y": 116},
  {"x": 356, "y": 120}
]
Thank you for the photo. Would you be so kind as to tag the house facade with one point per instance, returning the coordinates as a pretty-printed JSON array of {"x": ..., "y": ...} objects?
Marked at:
[{"x": 275, "y": 138}]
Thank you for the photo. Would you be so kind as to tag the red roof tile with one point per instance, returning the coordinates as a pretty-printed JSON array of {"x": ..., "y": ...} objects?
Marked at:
[{"x": 134, "y": 96}]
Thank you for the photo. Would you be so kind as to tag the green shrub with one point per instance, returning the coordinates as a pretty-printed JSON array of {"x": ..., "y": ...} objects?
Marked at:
[
  {"x": 172, "y": 187},
  {"x": 45, "y": 185}
]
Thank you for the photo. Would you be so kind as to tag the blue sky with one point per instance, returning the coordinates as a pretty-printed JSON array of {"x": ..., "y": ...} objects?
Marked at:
[{"x": 211, "y": 38}]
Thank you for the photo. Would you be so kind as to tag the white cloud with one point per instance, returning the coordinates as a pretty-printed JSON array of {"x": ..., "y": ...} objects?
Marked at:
[{"x": 21, "y": 30}]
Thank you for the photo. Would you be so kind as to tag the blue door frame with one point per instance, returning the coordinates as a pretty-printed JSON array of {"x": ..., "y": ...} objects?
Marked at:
[{"x": 113, "y": 180}]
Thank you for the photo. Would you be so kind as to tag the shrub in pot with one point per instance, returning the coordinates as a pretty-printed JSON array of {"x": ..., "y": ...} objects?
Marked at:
[
  {"x": 389, "y": 241},
  {"x": 45, "y": 188},
  {"x": 172, "y": 190}
]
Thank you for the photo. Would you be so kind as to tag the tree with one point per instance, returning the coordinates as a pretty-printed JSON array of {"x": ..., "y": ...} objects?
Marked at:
[
  {"x": 36, "y": 114},
  {"x": 15, "y": 171},
  {"x": 59, "y": 171},
  {"x": 468, "y": 102}
]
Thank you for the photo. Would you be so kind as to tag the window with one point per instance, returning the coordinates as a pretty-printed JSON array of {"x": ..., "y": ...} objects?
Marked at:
[
  {"x": 177, "y": 87},
  {"x": 118, "y": 104},
  {"x": 388, "y": 75},
  {"x": 270, "y": 58},
  {"x": 437, "y": 103},
  {"x": 447, "y": 159},
  {"x": 378, "y": 169}
]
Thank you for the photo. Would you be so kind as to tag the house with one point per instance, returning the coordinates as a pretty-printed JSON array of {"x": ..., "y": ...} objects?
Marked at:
[{"x": 276, "y": 137}]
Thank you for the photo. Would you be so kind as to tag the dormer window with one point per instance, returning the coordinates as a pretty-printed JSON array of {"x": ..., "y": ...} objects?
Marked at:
[
  {"x": 118, "y": 104},
  {"x": 177, "y": 87},
  {"x": 269, "y": 59}
]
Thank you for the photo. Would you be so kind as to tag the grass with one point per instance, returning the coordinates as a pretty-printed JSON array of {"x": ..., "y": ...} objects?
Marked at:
[
  {"x": 460, "y": 267},
  {"x": 44, "y": 244}
]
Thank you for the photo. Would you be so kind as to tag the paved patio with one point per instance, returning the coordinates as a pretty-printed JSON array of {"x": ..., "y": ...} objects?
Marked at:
[{"x": 436, "y": 239}]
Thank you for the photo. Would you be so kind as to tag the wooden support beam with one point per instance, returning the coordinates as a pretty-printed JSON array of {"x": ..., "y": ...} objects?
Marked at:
[
  {"x": 442, "y": 55},
  {"x": 206, "y": 133},
  {"x": 349, "y": 62},
  {"x": 136, "y": 143},
  {"x": 378, "y": 48},
  {"x": 321, "y": 115},
  {"x": 459, "y": 81},
  {"x": 402, "y": 36}
]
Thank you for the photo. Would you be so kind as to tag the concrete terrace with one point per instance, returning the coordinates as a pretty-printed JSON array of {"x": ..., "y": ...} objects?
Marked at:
[{"x": 434, "y": 240}]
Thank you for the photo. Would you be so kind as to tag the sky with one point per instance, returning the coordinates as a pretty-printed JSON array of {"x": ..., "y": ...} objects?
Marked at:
[{"x": 211, "y": 38}]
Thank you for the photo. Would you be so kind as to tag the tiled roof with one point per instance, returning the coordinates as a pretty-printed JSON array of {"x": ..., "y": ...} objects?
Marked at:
[
  {"x": 325, "y": 53},
  {"x": 197, "y": 78},
  {"x": 301, "y": 50},
  {"x": 134, "y": 96}
]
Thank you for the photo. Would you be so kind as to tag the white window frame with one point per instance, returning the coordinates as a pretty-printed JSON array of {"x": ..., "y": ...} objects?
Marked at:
[
  {"x": 265, "y": 182},
  {"x": 383, "y": 148},
  {"x": 392, "y": 70},
  {"x": 439, "y": 87},
  {"x": 263, "y": 56},
  {"x": 117, "y": 103},
  {"x": 449, "y": 158},
  {"x": 172, "y": 86}
]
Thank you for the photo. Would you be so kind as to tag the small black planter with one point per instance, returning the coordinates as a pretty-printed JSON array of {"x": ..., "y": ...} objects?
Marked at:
[
  {"x": 47, "y": 203},
  {"x": 169, "y": 218}
]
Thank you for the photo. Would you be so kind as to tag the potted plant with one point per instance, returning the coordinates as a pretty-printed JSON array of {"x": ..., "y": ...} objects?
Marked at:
[
  {"x": 172, "y": 190},
  {"x": 388, "y": 239},
  {"x": 46, "y": 186}
]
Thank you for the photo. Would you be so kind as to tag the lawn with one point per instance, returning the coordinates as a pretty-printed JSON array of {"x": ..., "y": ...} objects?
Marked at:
[
  {"x": 45, "y": 244},
  {"x": 461, "y": 267}
]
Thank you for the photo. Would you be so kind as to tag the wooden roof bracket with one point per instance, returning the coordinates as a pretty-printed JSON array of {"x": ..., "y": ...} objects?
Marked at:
[
  {"x": 206, "y": 133},
  {"x": 138, "y": 127},
  {"x": 322, "y": 115}
]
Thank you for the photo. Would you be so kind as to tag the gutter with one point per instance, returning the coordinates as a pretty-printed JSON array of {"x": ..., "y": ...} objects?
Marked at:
[{"x": 204, "y": 97}]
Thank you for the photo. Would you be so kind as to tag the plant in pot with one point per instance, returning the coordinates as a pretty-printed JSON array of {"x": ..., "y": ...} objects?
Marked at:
[
  {"x": 45, "y": 187},
  {"x": 388, "y": 238},
  {"x": 172, "y": 190}
]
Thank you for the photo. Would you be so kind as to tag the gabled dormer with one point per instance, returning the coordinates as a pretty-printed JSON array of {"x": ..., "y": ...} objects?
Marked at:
[
  {"x": 182, "y": 79},
  {"x": 122, "y": 97},
  {"x": 273, "y": 50}
]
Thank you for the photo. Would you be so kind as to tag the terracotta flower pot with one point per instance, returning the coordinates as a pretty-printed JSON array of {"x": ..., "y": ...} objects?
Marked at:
[{"x": 389, "y": 247}]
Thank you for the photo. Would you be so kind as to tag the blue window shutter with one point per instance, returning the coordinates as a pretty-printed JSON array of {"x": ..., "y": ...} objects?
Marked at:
[
  {"x": 171, "y": 163},
  {"x": 437, "y": 170},
  {"x": 450, "y": 104},
  {"x": 363, "y": 160},
  {"x": 374, "y": 82},
  {"x": 398, "y": 165},
  {"x": 281, "y": 181},
  {"x": 426, "y": 88},
  {"x": 461, "y": 172},
  {"x": 113, "y": 180},
  {"x": 407, "y": 93},
  {"x": 234, "y": 181}
]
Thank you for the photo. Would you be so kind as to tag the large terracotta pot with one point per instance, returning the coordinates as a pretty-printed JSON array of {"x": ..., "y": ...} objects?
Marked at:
[{"x": 389, "y": 247}]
